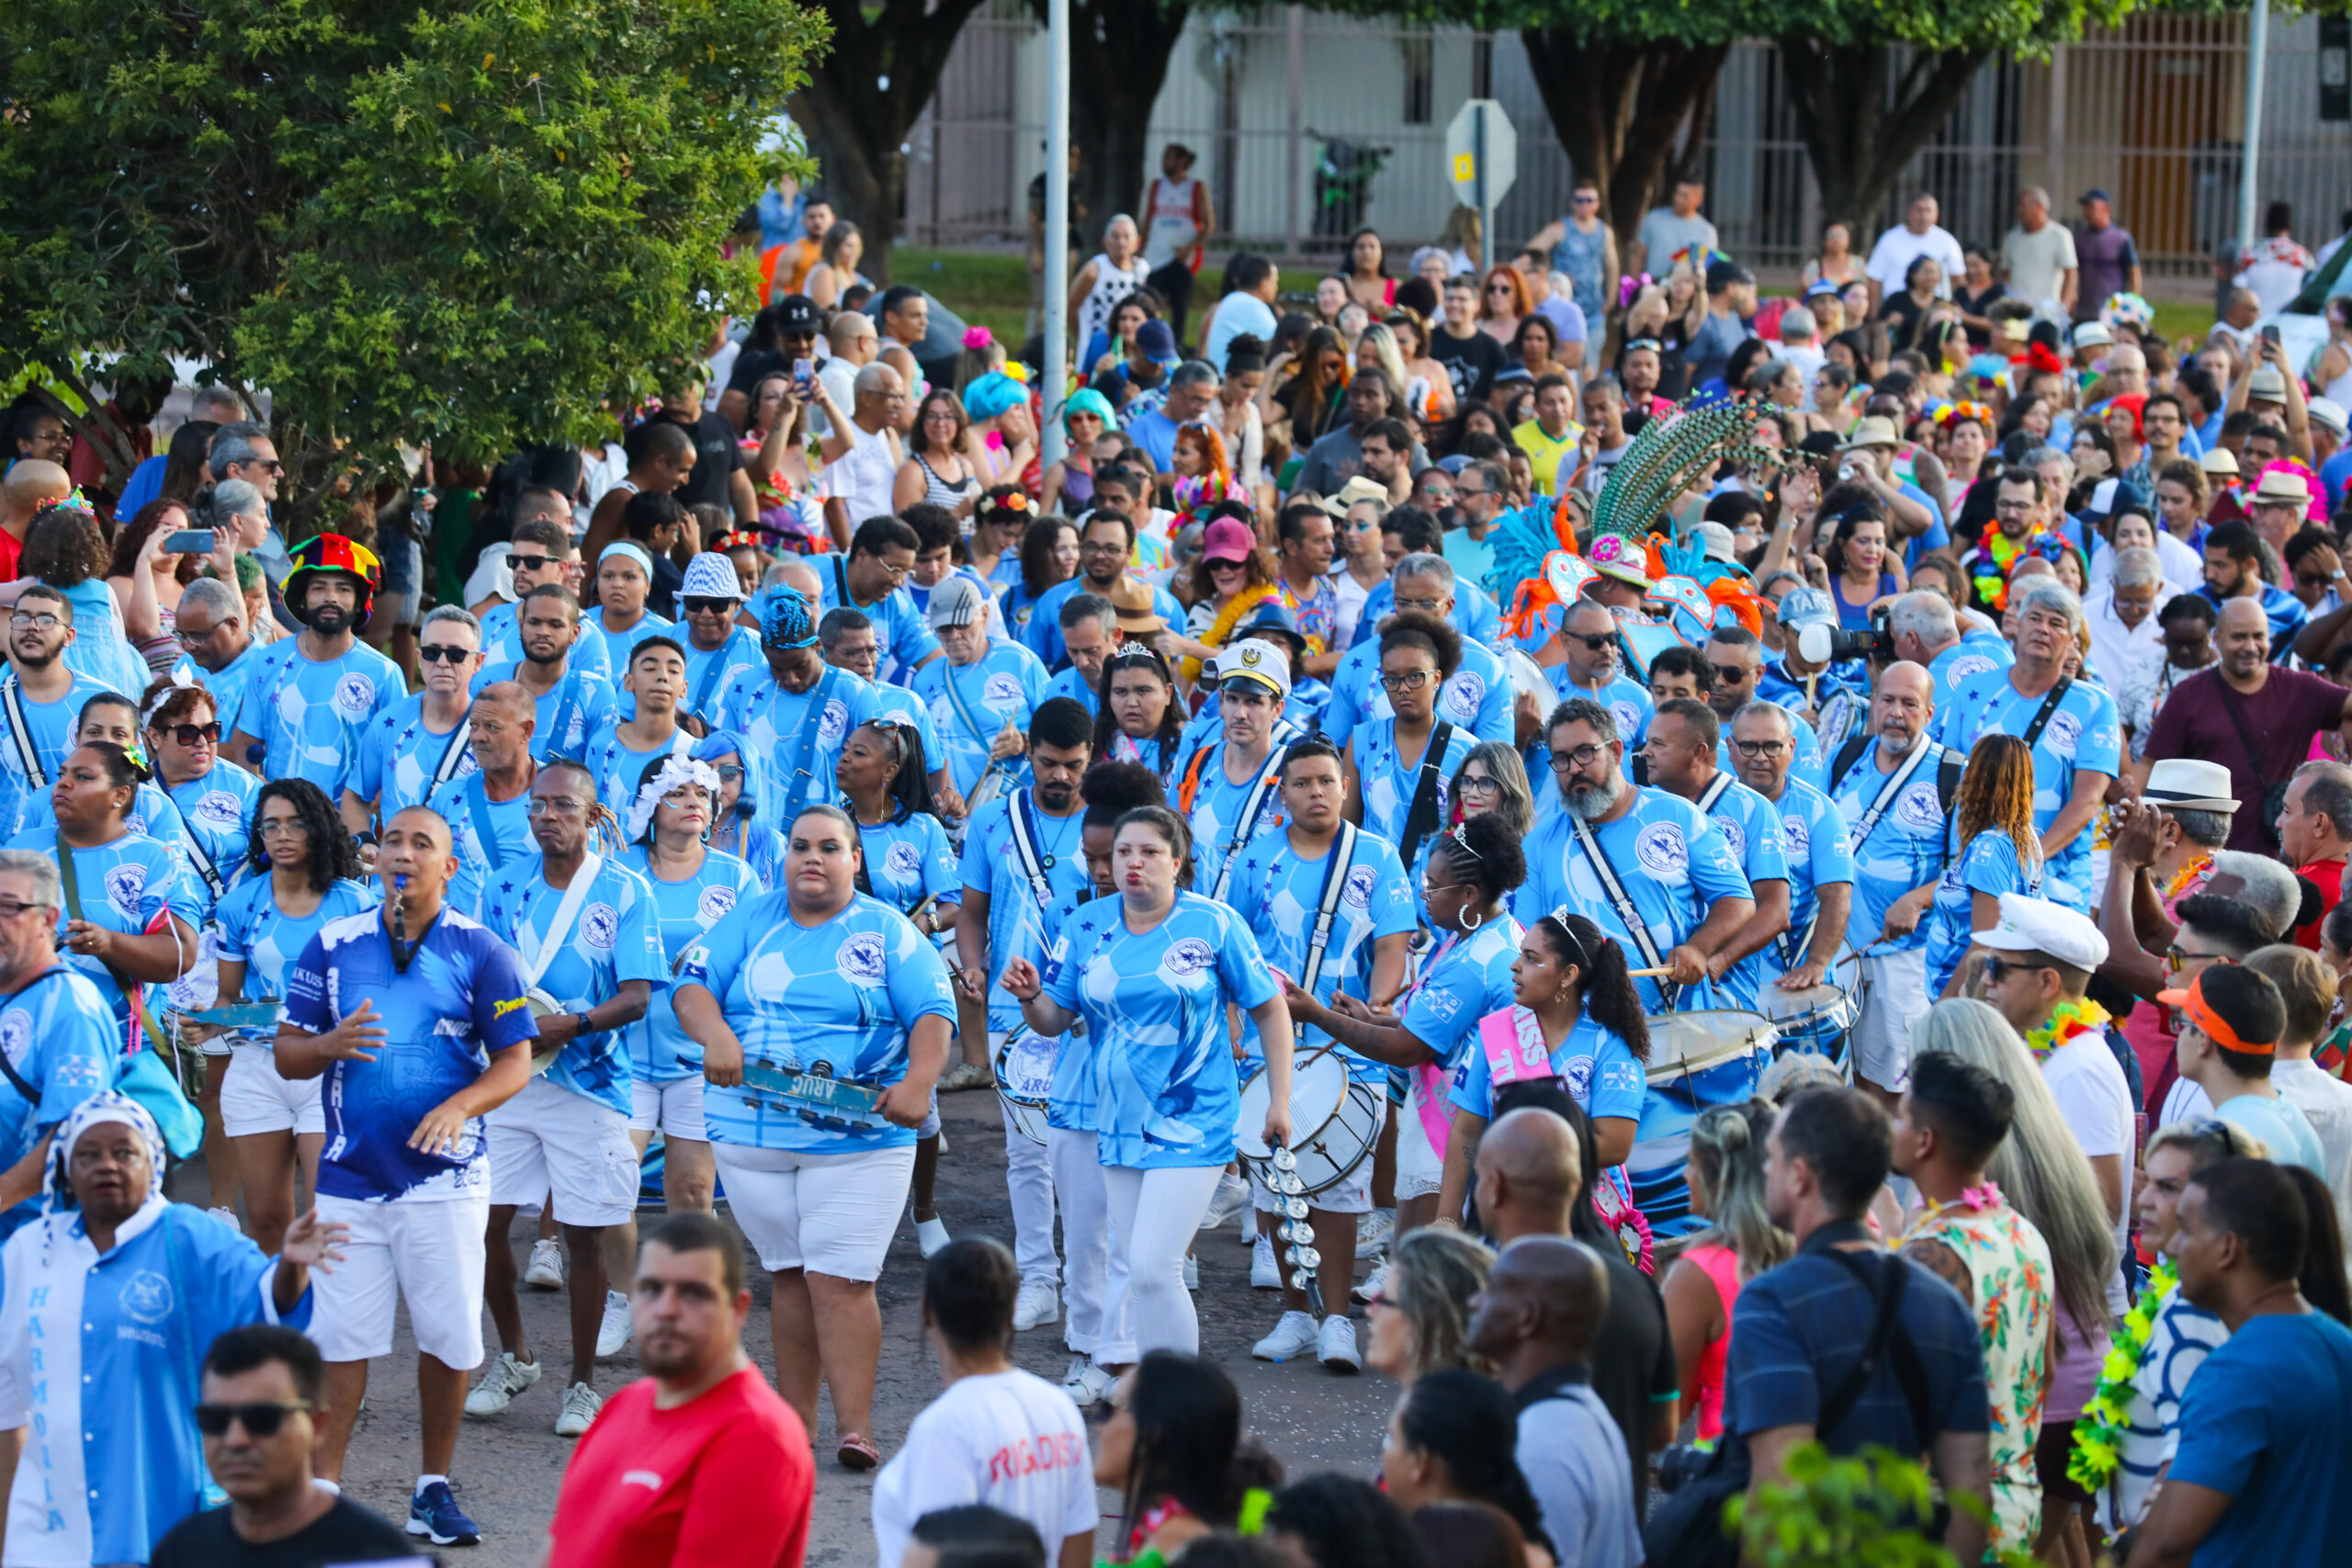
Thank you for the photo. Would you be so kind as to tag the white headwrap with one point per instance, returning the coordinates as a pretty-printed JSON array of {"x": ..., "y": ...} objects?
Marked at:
[
  {"x": 108, "y": 1105},
  {"x": 630, "y": 548},
  {"x": 677, "y": 769},
  {"x": 180, "y": 683}
]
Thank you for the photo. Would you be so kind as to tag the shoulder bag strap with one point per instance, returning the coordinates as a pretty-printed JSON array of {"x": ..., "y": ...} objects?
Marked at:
[
  {"x": 1189, "y": 791},
  {"x": 1714, "y": 792},
  {"x": 1620, "y": 900},
  {"x": 804, "y": 752},
  {"x": 1870, "y": 820},
  {"x": 1327, "y": 909},
  {"x": 1420, "y": 817},
  {"x": 1022, "y": 820},
  {"x": 478, "y": 808},
  {"x": 710, "y": 673},
  {"x": 2237, "y": 722},
  {"x": 21, "y": 733},
  {"x": 199, "y": 858},
  {"x": 1249, "y": 810},
  {"x": 2049, "y": 705},
  {"x": 1849, "y": 1392},
  {"x": 16, "y": 1080},
  {"x": 454, "y": 753},
  {"x": 536, "y": 958}
]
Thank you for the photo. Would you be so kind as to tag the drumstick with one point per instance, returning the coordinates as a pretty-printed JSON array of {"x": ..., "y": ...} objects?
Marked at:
[{"x": 1650, "y": 974}]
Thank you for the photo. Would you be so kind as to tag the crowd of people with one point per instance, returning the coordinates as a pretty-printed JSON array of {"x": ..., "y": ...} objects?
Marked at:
[{"x": 1742, "y": 873}]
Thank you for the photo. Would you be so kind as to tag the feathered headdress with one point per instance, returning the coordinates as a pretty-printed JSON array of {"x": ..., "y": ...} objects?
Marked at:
[{"x": 1675, "y": 451}]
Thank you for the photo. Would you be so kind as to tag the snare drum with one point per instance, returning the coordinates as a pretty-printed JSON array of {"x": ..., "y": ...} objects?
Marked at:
[
  {"x": 1698, "y": 1061},
  {"x": 543, "y": 1054},
  {"x": 1334, "y": 1121},
  {"x": 1819, "y": 1018},
  {"x": 1025, "y": 1082}
]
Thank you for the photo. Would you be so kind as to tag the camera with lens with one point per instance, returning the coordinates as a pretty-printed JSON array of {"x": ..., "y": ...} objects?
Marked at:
[{"x": 1832, "y": 645}]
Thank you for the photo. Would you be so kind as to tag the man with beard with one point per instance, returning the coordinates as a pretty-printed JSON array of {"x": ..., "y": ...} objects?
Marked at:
[
  {"x": 1106, "y": 543},
  {"x": 795, "y": 713},
  {"x": 1681, "y": 747},
  {"x": 41, "y": 701},
  {"x": 307, "y": 707},
  {"x": 570, "y": 705},
  {"x": 2234, "y": 571},
  {"x": 489, "y": 810}
]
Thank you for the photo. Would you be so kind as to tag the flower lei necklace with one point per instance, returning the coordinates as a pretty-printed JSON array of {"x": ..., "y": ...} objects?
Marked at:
[
  {"x": 2069, "y": 1020},
  {"x": 2185, "y": 875},
  {"x": 1972, "y": 1199},
  {"x": 2100, "y": 1427}
]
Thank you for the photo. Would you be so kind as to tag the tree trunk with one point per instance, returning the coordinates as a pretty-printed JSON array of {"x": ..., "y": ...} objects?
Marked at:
[
  {"x": 1623, "y": 111},
  {"x": 861, "y": 99},
  {"x": 1119, "y": 51},
  {"x": 1861, "y": 124}
]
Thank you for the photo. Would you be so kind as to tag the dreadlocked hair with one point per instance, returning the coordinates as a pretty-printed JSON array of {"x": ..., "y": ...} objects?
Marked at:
[
  {"x": 328, "y": 850},
  {"x": 1997, "y": 791}
]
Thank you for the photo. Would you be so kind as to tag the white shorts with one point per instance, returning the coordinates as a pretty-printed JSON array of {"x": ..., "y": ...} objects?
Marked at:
[
  {"x": 547, "y": 1139},
  {"x": 673, "y": 1109},
  {"x": 1897, "y": 999},
  {"x": 830, "y": 1213},
  {"x": 256, "y": 1098},
  {"x": 1351, "y": 1195},
  {"x": 429, "y": 1253},
  {"x": 1421, "y": 1170}
]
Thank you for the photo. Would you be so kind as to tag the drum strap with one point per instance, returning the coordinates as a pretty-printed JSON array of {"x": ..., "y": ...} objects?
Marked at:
[
  {"x": 1327, "y": 907},
  {"x": 1421, "y": 816},
  {"x": 20, "y": 732},
  {"x": 453, "y": 753},
  {"x": 1035, "y": 863},
  {"x": 1620, "y": 900},
  {"x": 1256, "y": 803},
  {"x": 1713, "y": 793},
  {"x": 540, "y": 955},
  {"x": 804, "y": 756},
  {"x": 1921, "y": 750}
]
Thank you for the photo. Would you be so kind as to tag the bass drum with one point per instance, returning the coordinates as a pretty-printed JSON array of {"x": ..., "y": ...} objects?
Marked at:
[
  {"x": 1698, "y": 1061},
  {"x": 1334, "y": 1121}
]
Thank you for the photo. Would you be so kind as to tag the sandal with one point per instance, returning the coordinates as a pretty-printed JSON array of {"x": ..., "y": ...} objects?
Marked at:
[{"x": 856, "y": 1453}]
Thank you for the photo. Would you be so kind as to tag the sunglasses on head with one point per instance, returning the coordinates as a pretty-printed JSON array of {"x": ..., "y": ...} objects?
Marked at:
[
  {"x": 189, "y": 733},
  {"x": 697, "y": 606},
  {"x": 259, "y": 1420},
  {"x": 443, "y": 653}
]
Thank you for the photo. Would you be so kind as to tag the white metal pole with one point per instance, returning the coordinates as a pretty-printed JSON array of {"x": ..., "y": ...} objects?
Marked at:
[
  {"x": 2258, "y": 58},
  {"x": 1487, "y": 251},
  {"x": 1056, "y": 381}
]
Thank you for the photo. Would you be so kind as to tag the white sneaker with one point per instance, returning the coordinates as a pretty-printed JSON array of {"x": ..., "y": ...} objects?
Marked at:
[
  {"x": 506, "y": 1378},
  {"x": 1335, "y": 1347},
  {"x": 1293, "y": 1336},
  {"x": 545, "y": 1271},
  {"x": 1086, "y": 1383},
  {"x": 1231, "y": 1195},
  {"x": 931, "y": 1235},
  {"x": 1372, "y": 1283},
  {"x": 1035, "y": 1306},
  {"x": 581, "y": 1404},
  {"x": 612, "y": 1333},
  {"x": 227, "y": 1217},
  {"x": 1192, "y": 1272},
  {"x": 1374, "y": 1231},
  {"x": 1265, "y": 1271}
]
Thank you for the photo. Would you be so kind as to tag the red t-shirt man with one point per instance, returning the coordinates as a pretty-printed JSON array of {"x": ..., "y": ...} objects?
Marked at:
[
  {"x": 723, "y": 1481},
  {"x": 2327, "y": 876}
]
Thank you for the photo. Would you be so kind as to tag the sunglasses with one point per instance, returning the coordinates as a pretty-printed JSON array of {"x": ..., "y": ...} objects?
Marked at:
[
  {"x": 443, "y": 653},
  {"x": 1729, "y": 674},
  {"x": 1995, "y": 968},
  {"x": 260, "y": 1420},
  {"x": 189, "y": 733},
  {"x": 1593, "y": 643},
  {"x": 531, "y": 563},
  {"x": 697, "y": 606}
]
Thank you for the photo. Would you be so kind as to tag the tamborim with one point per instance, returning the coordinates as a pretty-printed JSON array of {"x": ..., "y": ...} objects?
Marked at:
[
  {"x": 1334, "y": 1121},
  {"x": 1025, "y": 1082},
  {"x": 543, "y": 1052},
  {"x": 1698, "y": 1061}
]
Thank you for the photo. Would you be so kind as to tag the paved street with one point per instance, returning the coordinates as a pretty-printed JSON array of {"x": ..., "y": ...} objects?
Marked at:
[{"x": 509, "y": 1468}]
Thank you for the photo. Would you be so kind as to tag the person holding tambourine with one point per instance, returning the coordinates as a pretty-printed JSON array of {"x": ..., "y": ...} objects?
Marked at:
[
  {"x": 1152, "y": 974},
  {"x": 824, "y": 1019}
]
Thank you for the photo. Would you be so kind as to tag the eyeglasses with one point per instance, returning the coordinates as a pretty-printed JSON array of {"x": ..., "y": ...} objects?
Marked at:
[
  {"x": 1729, "y": 674},
  {"x": 189, "y": 733},
  {"x": 1995, "y": 968},
  {"x": 541, "y": 806},
  {"x": 1478, "y": 784},
  {"x": 1582, "y": 757},
  {"x": 1427, "y": 606},
  {"x": 1584, "y": 199},
  {"x": 1594, "y": 644},
  {"x": 269, "y": 826},
  {"x": 1410, "y": 680},
  {"x": 2176, "y": 961},
  {"x": 1100, "y": 548},
  {"x": 23, "y": 619},
  {"x": 1760, "y": 748},
  {"x": 444, "y": 653},
  {"x": 697, "y": 606},
  {"x": 531, "y": 563},
  {"x": 259, "y": 1420},
  {"x": 266, "y": 465},
  {"x": 11, "y": 907}
]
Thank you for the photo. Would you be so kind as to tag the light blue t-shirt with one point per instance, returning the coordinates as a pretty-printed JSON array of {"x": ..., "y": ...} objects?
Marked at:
[
  {"x": 572, "y": 712},
  {"x": 49, "y": 732},
  {"x": 1475, "y": 615},
  {"x": 502, "y": 643},
  {"x": 1990, "y": 865},
  {"x": 659, "y": 1050},
  {"x": 897, "y": 702},
  {"x": 459, "y": 1001},
  {"x": 489, "y": 838},
  {"x": 1278, "y": 895},
  {"x": 792, "y": 740},
  {"x": 1218, "y": 805},
  {"x": 255, "y": 932},
  {"x": 2083, "y": 735},
  {"x": 1627, "y": 700},
  {"x": 228, "y": 684},
  {"x": 64, "y": 1042},
  {"x": 1016, "y": 913},
  {"x": 1071, "y": 683},
  {"x": 1599, "y": 1068},
  {"x": 614, "y": 939},
  {"x": 1466, "y": 977},
  {"x": 1388, "y": 782},
  {"x": 844, "y": 993},
  {"x": 1962, "y": 662},
  {"x": 1071, "y": 1105},
  {"x": 1752, "y": 828},
  {"x": 1477, "y": 698},
  {"x": 2281, "y": 1124},
  {"x": 1821, "y": 854},
  {"x": 100, "y": 650},
  {"x": 709, "y": 671},
  {"x": 216, "y": 812},
  {"x": 1043, "y": 635},
  {"x": 1236, "y": 315},
  {"x": 1167, "y": 1090},
  {"x": 1903, "y": 850},
  {"x": 311, "y": 714},
  {"x": 899, "y": 627},
  {"x": 619, "y": 645},
  {"x": 909, "y": 859},
  {"x": 1003, "y": 685},
  {"x": 131, "y": 886},
  {"x": 616, "y": 766},
  {"x": 401, "y": 753}
]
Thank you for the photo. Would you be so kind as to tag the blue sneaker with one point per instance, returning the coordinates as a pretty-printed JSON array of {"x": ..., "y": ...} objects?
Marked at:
[{"x": 434, "y": 1514}]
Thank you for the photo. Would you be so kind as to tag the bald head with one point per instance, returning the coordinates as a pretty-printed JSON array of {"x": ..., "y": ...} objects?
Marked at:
[
  {"x": 424, "y": 823},
  {"x": 508, "y": 697},
  {"x": 2243, "y": 616},
  {"x": 1542, "y": 1308},
  {"x": 797, "y": 575},
  {"x": 1528, "y": 1171},
  {"x": 33, "y": 484}
]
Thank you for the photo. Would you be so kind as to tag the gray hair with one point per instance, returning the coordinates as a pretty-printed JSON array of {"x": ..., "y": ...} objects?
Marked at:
[
  {"x": 870, "y": 378},
  {"x": 2040, "y": 1166},
  {"x": 1192, "y": 373},
  {"x": 1424, "y": 563},
  {"x": 1927, "y": 615},
  {"x": 235, "y": 498},
  {"x": 234, "y": 444},
  {"x": 2137, "y": 566},
  {"x": 1797, "y": 316},
  {"x": 2053, "y": 595},
  {"x": 441, "y": 614},
  {"x": 1080, "y": 607},
  {"x": 211, "y": 594},
  {"x": 40, "y": 868},
  {"x": 219, "y": 404},
  {"x": 2206, "y": 830},
  {"x": 1515, "y": 802},
  {"x": 2270, "y": 890},
  {"x": 1584, "y": 711}
]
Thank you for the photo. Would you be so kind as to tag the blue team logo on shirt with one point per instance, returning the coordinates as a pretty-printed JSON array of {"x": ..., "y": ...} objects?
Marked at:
[
  {"x": 1463, "y": 694},
  {"x": 16, "y": 1035},
  {"x": 1580, "y": 1076},
  {"x": 1917, "y": 808},
  {"x": 124, "y": 885},
  {"x": 1732, "y": 830},
  {"x": 1966, "y": 668},
  {"x": 1628, "y": 717},
  {"x": 220, "y": 808},
  {"x": 1661, "y": 851},
  {"x": 1001, "y": 688},
  {"x": 147, "y": 1297},
  {"x": 352, "y": 694},
  {"x": 2062, "y": 732},
  {"x": 714, "y": 902},
  {"x": 1800, "y": 836},
  {"x": 861, "y": 958},
  {"x": 1188, "y": 956},
  {"x": 599, "y": 923},
  {"x": 904, "y": 860},
  {"x": 834, "y": 721},
  {"x": 1358, "y": 889}
]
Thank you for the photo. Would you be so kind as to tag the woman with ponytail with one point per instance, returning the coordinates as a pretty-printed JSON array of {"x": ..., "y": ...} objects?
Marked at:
[{"x": 1740, "y": 1242}]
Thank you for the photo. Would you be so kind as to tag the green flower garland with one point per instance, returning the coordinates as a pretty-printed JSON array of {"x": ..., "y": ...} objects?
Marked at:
[{"x": 2099, "y": 1429}]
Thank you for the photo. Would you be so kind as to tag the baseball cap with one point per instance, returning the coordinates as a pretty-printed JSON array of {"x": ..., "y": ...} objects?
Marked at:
[
  {"x": 1229, "y": 539},
  {"x": 711, "y": 576},
  {"x": 2096, "y": 193},
  {"x": 798, "y": 313},
  {"x": 1254, "y": 658},
  {"x": 957, "y": 602},
  {"x": 2037, "y": 925},
  {"x": 1158, "y": 343},
  {"x": 1802, "y": 607},
  {"x": 1723, "y": 273}
]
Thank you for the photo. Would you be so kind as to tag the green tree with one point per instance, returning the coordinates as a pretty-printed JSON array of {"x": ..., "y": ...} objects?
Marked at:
[
  {"x": 1860, "y": 1512},
  {"x": 1119, "y": 51},
  {"x": 476, "y": 223}
]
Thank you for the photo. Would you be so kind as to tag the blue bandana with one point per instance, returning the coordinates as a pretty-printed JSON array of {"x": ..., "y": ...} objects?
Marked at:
[{"x": 784, "y": 620}]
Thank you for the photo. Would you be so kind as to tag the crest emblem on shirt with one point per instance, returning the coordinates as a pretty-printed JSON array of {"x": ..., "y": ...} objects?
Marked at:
[
  {"x": 1661, "y": 851},
  {"x": 2062, "y": 732},
  {"x": 220, "y": 808},
  {"x": 1800, "y": 836},
  {"x": 147, "y": 1297},
  {"x": 1580, "y": 1076},
  {"x": 904, "y": 860},
  {"x": 1463, "y": 694},
  {"x": 1001, "y": 689},
  {"x": 1967, "y": 667},
  {"x": 352, "y": 692},
  {"x": 833, "y": 723},
  {"x": 1188, "y": 956},
  {"x": 1628, "y": 718},
  {"x": 599, "y": 923},
  {"x": 124, "y": 885},
  {"x": 714, "y": 902},
  {"x": 1735, "y": 834},
  {"x": 1918, "y": 809},
  {"x": 16, "y": 1035},
  {"x": 861, "y": 960},
  {"x": 1358, "y": 890}
]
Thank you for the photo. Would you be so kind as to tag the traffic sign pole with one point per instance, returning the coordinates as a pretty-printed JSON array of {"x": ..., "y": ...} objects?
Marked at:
[{"x": 1481, "y": 150}]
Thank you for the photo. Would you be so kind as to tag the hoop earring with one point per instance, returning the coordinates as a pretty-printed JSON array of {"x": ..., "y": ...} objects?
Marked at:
[{"x": 1471, "y": 925}]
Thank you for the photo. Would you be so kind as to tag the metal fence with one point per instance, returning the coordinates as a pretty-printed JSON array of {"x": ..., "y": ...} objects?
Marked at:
[{"x": 1309, "y": 124}]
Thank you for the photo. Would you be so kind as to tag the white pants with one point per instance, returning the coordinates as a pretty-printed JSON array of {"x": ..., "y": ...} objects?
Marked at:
[
  {"x": 828, "y": 1214},
  {"x": 1095, "y": 1272},
  {"x": 1029, "y": 1179},
  {"x": 550, "y": 1140},
  {"x": 1154, "y": 1215},
  {"x": 1897, "y": 999},
  {"x": 429, "y": 1252},
  {"x": 257, "y": 1098}
]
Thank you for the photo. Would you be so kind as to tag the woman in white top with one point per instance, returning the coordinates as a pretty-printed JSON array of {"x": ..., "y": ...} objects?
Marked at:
[
  {"x": 2331, "y": 369},
  {"x": 837, "y": 268},
  {"x": 1360, "y": 569},
  {"x": 1118, "y": 271}
]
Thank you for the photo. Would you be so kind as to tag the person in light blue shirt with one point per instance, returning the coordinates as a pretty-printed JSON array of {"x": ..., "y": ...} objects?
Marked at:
[
  {"x": 813, "y": 981},
  {"x": 734, "y": 830},
  {"x": 543, "y": 553},
  {"x": 1594, "y": 668},
  {"x": 872, "y": 578},
  {"x": 2078, "y": 747},
  {"x": 791, "y": 716},
  {"x": 421, "y": 743},
  {"x": 570, "y": 705},
  {"x": 981, "y": 693},
  {"x": 847, "y": 639},
  {"x": 623, "y": 580},
  {"x": 1228, "y": 791},
  {"x": 1105, "y": 545},
  {"x": 309, "y": 702},
  {"x": 1475, "y": 615},
  {"x": 1927, "y": 632},
  {"x": 41, "y": 698},
  {"x": 1992, "y": 851},
  {"x": 719, "y": 647},
  {"x": 585, "y": 929},
  {"x": 1388, "y": 758},
  {"x": 1820, "y": 853},
  {"x": 218, "y": 646},
  {"x": 489, "y": 810},
  {"x": 55, "y": 1026},
  {"x": 154, "y": 814},
  {"x": 654, "y": 685},
  {"x": 1477, "y": 696},
  {"x": 1735, "y": 658},
  {"x": 1681, "y": 749},
  {"x": 1152, "y": 974}
]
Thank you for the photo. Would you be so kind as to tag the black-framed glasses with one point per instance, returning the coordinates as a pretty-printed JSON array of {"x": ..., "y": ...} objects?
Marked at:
[
  {"x": 531, "y": 563},
  {"x": 1478, "y": 784},
  {"x": 699, "y": 605},
  {"x": 11, "y": 907},
  {"x": 1581, "y": 757},
  {"x": 24, "y": 619},
  {"x": 1767, "y": 749},
  {"x": 1097, "y": 548},
  {"x": 1426, "y": 606},
  {"x": 189, "y": 733},
  {"x": 260, "y": 1419},
  {"x": 444, "y": 653},
  {"x": 1410, "y": 680}
]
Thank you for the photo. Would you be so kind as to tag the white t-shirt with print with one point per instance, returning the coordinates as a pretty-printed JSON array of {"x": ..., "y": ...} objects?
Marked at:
[
  {"x": 2096, "y": 1100},
  {"x": 1009, "y": 1439}
]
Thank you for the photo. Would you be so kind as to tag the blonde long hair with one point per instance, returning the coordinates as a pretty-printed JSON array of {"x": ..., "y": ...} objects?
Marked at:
[{"x": 1727, "y": 1153}]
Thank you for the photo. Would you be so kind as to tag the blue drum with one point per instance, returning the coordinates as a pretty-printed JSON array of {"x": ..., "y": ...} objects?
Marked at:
[
  {"x": 1698, "y": 1061},
  {"x": 1819, "y": 1018}
]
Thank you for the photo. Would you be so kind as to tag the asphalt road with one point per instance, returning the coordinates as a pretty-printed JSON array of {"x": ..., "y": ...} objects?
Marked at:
[{"x": 510, "y": 1468}]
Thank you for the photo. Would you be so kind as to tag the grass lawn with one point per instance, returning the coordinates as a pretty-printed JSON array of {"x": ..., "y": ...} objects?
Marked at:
[{"x": 986, "y": 288}]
